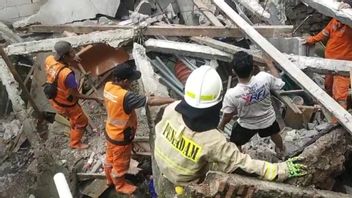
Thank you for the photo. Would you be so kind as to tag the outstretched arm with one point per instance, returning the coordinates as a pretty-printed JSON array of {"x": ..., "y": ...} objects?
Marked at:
[{"x": 158, "y": 100}]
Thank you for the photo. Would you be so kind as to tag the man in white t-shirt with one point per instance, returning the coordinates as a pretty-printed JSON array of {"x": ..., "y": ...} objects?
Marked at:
[{"x": 250, "y": 100}]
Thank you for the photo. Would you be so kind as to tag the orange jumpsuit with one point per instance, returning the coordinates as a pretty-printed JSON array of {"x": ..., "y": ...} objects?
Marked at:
[
  {"x": 120, "y": 131},
  {"x": 339, "y": 46},
  {"x": 64, "y": 103}
]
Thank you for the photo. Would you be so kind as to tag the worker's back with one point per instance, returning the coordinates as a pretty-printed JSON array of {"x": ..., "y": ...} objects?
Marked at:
[
  {"x": 184, "y": 155},
  {"x": 55, "y": 69},
  {"x": 120, "y": 126}
]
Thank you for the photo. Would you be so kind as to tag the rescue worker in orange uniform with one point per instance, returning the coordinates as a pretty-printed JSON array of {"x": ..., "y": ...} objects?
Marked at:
[
  {"x": 121, "y": 124},
  {"x": 65, "y": 100},
  {"x": 339, "y": 46}
]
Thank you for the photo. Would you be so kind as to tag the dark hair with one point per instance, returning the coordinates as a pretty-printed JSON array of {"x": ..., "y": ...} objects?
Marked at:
[
  {"x": 242, "y": 64},
  {"x": 349, "y": 2}
]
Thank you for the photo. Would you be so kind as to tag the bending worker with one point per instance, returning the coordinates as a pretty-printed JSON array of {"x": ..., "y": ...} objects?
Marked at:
[
  {"x": 61, "y": 89},
  {"x": 121, "y": 124},
  {"x": 188, "y": 144},
  {"x": 250, "y": 100},
  {"x": 339, "y": 46}
]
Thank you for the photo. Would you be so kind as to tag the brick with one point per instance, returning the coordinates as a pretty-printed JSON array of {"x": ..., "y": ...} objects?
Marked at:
[
  {"x": 9, "y": 13},
  {"x": 29, "y": 9}
]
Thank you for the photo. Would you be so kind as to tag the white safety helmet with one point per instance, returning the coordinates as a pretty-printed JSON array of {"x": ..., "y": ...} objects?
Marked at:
[{"x": 203, "y": 88}]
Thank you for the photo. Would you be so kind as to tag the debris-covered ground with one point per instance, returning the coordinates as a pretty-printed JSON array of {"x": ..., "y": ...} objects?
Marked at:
[{"x": 166, "y": 40}]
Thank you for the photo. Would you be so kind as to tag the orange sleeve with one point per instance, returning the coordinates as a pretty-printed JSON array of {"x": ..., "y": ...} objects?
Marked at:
[{"x": 325, "y": 33}]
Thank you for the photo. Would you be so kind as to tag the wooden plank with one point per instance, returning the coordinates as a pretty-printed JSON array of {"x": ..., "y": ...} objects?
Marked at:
[
  {"x": 187, "y": 49},
  {"x": 291, "y": 69},
  {"x": 170, "y": 30},
  {"x": 207, "y": 13},
  {"x": 315, "y": 64}
]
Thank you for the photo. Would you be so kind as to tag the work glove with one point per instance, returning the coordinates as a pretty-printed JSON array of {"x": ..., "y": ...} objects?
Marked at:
[
  {"x": 295, "y": 168},
  {"x": 284, "y": 170}
]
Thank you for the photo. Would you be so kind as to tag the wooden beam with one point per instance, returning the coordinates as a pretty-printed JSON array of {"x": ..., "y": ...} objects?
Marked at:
[
  {"x": 315, "y": 64},
  {"x": 291, "y": 69},
  {"x": 170, "y": 30},
  {"x": 186, "y": 49},
  {"x": 330, "y": 8}
]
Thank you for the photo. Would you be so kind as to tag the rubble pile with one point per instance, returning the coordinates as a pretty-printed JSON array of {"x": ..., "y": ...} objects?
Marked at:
[{"x": 166, "y": 41}]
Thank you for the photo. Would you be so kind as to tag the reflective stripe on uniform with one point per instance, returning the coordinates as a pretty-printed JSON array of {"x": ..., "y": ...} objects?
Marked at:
[
  {"x": 117, "y": 122},
  {"x": 110, "y": 96},
  {"x": 325, "y": 33},
  {"x": 271, "y": 171},
  {"x": 202, "y": 97},
  {"x": 171, "y": 163}
]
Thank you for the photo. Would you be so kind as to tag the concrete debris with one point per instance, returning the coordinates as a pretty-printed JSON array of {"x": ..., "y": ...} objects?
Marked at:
[
  {"x": 68, "y": 11},
  {"x": 255, "y": 7},
  {"x": 12, "y": 129},
  {"x": 314, "y": 64},
  {"x": 187, "y": 49},
  {"x": 331, "y": 8},
  {"x": 144, "y": 7},
  {"x": 114, "y": 38},
  {"x": 8, "y": 35},
  {"x": 234, "y": 185},
  {"x": 343, "y": 117}
]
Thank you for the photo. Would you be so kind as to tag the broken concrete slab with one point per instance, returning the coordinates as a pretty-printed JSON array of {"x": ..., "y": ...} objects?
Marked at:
[
  {"x": 114, "y": 38},
  {"x": 217, "y": 184},
  {"x": 144, "y": 7},
  {"x": 149, "y": 77},
  {"x": 7, "y": 34},
  {"x": 255, "y": 7},
  {"x": 64, "y": 11},
  {"x": 186, "y": 49},
  {"x": 187, "y": 11},
  {"x": 96, "y": 188},
  {"x": 314, "y": 64},
  {"x": 330, "y": 8},
  {"x": 342, "y": 116},
  {"x": 293, "y": 45}
]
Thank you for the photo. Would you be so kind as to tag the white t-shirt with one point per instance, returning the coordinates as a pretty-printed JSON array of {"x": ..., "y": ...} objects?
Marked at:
[{"x": 252, "y": 101}]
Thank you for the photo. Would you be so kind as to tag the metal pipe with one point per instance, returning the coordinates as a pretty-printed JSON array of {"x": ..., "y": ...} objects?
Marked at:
[
  {"x": 169, "y": 72},
  {"x": 166, "y": 75},
  {"x": 171, "y": 86},
  {"x": 187, "y": 63},
  {"x": 167, "y": 69}
]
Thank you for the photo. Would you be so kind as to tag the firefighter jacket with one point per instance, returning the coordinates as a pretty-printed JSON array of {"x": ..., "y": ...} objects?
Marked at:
[
  {"x": 53, "y": 67},
  {"x": 184, "y": 155},
  {"x": 120, "y": 127}
]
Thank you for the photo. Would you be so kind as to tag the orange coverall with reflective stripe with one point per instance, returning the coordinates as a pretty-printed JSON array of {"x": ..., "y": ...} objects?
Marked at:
[
  {"x": 119, "y": 137},
  {"x": 67, "y": 108},
  {"x": 339, "y": 46}
]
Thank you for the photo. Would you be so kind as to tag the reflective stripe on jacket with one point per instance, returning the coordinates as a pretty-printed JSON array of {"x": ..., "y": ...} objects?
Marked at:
[
  {"x": 184, "y": 155},
  {"x": 120, "y": 127},
  {"x": 52, "y": 67}
]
